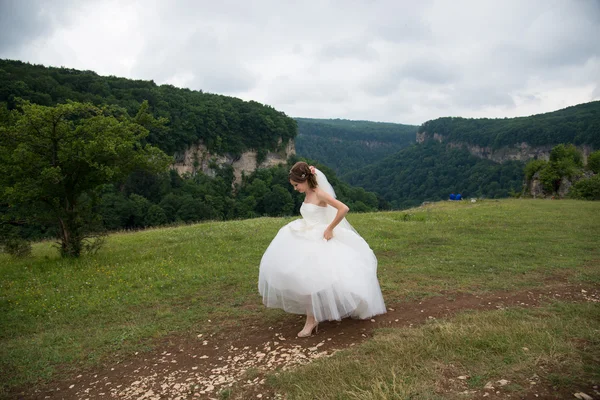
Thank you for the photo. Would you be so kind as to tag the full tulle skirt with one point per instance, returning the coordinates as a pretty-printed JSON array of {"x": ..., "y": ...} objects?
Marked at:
[{"x": 302, "y": 273}]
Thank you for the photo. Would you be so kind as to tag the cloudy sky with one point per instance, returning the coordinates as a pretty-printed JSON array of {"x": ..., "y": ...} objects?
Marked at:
[{"x": 381, "y": 60}]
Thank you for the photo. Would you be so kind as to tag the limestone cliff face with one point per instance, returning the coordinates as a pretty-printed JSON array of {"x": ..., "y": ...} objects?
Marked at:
[
  {"x": 197, "y": 158},
  {"x": 517, "y": 152},
  {"x": 520, "y": 152},
  {"x": 535, "y": 189},
  {"x": 423, "y": 136}
]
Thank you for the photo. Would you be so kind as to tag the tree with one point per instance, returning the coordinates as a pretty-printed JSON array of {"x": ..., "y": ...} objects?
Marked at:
[
  {"x": 139, "y": 210},
  {"x": 593, "y": 162},
  {"x": 193, "y": 210},
  {"x": 588, "y": 189},
  {"x": 114, "y": 208},
  {"x": 278, "y": 201},
  {"x": 565, "y": 162},
  {"x": 170, "y": 204},
  {"x": 155, "y": 216},
  {"x": 51, "y": 158},
  {"x": 534, "y": 166}
]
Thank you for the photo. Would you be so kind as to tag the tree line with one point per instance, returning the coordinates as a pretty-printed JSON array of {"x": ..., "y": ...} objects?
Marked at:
[
  {"x": 224, "y": 124},
  {"x": 75, "y": 171},
  {"x": 146, "y": 199},
  {"x": 579, "y": 125}
]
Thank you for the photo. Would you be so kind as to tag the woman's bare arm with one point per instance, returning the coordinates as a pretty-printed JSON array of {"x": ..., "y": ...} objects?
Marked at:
[{"x": 341, "y": 208}]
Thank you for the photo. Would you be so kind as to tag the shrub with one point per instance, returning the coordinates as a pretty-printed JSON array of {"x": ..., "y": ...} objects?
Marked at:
[
  {"x": 593, "y": 162},
  {"x": 155, "y": 216},
  {"x": 587, "y": 189},
  {"x": 16, "y": 247},
  {"x": 568, "y": 152},
  {"x": 532, "y": 167}
]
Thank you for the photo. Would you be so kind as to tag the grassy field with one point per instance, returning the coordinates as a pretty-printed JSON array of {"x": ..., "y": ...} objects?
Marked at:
[
  {"x": 57, "y": 313},
  {"x": 520, "y": 346}
]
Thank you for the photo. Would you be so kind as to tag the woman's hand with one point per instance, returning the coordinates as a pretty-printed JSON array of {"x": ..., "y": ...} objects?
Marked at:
[{"x": 328, "y": 234}]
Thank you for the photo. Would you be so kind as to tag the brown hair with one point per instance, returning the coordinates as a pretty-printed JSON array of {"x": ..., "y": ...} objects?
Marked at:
[{"x": 301, "y": 173}]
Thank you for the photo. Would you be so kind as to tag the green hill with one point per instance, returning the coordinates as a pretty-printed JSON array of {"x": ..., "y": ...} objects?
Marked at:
[
  {"x": 437, "y": 167},
  {"x": 224, "y": 124},
  {"x": 579, "y": 125},
  {"x": 346, "y": 145},
  {"x": 431, "y": 171}
]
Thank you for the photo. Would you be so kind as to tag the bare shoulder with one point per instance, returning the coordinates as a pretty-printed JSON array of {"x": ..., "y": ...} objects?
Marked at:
[{"x": 323, "y": 195}]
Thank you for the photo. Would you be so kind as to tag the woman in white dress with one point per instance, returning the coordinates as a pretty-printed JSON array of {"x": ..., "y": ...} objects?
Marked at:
[{"x": 319, "y": 265}]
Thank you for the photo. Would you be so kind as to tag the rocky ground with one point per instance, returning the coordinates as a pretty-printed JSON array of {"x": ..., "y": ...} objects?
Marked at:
[{"x": 206, "y": 366}]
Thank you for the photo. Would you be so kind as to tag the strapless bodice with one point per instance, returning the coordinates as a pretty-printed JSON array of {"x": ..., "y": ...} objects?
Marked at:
[{"x": 314, "y": 214}]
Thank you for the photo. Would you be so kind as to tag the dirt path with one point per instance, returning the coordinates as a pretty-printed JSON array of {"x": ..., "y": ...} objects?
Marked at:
[{"x": 201, "y": 367}]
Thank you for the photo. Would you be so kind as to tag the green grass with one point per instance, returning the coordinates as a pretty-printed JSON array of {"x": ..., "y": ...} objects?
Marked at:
[
  {"x": 57, "y": 313},
  {"x": 556, "y": 346}
]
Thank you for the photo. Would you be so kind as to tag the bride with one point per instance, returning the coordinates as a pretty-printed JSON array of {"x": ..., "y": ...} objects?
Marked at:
[{"x": 319, "y": 265}]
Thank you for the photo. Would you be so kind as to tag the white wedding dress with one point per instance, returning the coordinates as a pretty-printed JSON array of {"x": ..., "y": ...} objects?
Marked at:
[{"x": 301, "y": 272}]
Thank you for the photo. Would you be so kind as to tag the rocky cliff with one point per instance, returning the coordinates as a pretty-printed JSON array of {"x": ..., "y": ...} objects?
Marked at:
[
  {"x": 535, "y": 188},
  {"x": 518, "y": 152},
  {"x": 197, "y": 158}
]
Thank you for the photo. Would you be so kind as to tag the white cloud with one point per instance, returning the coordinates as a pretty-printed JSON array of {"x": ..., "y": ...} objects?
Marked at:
[{"x": 383, "y": 60}]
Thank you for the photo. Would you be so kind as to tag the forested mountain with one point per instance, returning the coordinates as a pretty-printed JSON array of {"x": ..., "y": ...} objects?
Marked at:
[
  {"x": 224, "y": 124},
  {"x": 347, "y": 145},
  {"x": 431, "y": 171},
  {"x": 579, "y": 125}
]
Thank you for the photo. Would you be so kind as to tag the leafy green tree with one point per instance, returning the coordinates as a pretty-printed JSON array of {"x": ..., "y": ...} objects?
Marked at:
[
  {"x": 565, "y": 162},
  {"x": 189, "y": 209},
  {"x": 193, "y": 210},
  {"x": 155, "y": 216},
  {"x": 11, "y": 238},
  {"x": 587, "y": 189},
  {"x": 534, "y": 166},
  {"x": 278, "y": 201},
  {"x": 150, "y": 185},
  {"x": 53, "y": 157},
  {"x": 170, "y": 204},
  {"x": 257, "y": 188},
  {"x": 359, "y": 206},
  {"x": 139, "y": 207},
  {"x": 115, "y": 209},
  {"x": 568, "y": 153},
  {"x": 593, "y": 162},
  {"x": 245, "y": 207}
]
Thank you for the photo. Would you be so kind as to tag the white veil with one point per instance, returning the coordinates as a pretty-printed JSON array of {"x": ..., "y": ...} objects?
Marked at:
[{"x": 324, "y": 184}]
